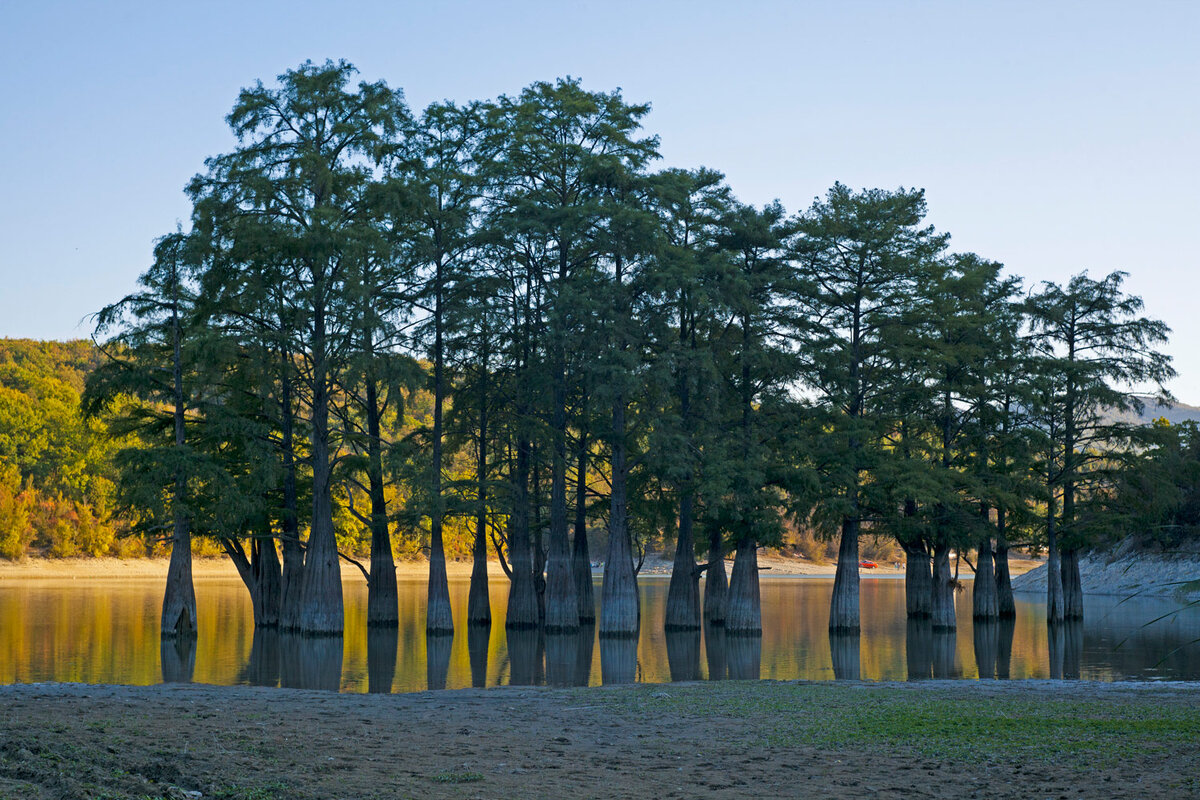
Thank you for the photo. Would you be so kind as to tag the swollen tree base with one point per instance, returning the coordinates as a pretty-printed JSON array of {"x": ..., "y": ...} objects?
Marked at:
[
  {"x": 843, "y": 607},
  {"x": 743, "y": 613}
]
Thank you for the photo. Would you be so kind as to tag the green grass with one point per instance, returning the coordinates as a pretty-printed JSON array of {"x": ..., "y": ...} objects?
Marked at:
[
  {"x": 946, "y": 724},
  {"x": 456, "y": 777}
]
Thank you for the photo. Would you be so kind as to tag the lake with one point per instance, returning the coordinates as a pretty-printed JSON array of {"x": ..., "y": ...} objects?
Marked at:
[{"x": 105, "y": 631}]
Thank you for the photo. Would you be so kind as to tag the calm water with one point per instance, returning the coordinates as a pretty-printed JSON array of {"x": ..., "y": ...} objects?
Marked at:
[{"x": 107, "y": 632}]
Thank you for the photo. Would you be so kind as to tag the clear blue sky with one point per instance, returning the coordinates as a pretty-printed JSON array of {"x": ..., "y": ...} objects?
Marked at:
[{"x": 1053, "y": 137}]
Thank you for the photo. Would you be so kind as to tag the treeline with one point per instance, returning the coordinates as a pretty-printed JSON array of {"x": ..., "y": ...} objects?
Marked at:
[{"x": 603, "y": 345}]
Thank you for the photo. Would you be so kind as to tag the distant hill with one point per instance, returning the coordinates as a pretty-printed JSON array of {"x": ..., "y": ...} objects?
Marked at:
[{"x": 1175, "y": 414}]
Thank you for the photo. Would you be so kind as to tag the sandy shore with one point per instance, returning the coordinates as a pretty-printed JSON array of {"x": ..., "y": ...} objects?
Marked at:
[
  {"x": 156, "y": 568},
  {"x": 722, "y": 740}
]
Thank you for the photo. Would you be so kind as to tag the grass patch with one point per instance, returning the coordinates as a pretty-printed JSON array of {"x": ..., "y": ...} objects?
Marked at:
[
  {"x": 456, "y": 777},
  {"x": 942, "y": 723}
]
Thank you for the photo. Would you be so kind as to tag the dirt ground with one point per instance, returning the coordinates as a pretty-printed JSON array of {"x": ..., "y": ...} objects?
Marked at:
[{"x": 727, "y": 740}]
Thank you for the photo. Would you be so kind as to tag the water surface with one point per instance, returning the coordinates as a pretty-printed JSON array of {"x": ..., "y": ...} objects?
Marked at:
[{"x": 106, "y": 631}]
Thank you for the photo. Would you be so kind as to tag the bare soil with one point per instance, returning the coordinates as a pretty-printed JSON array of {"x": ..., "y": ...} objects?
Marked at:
[{"x": 726, "y": 740}]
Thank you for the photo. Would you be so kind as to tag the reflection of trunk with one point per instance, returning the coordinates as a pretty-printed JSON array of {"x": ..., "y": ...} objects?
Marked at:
[
  {"x": 985, "y": 601},
  {"x": 918, "y": 582},
  {"x": 523, "y": 656},
  {"x": 618, "y": 659},
  {"x": 321, "y": 611},
  {"x": 1054, "y": 589},
  {"x": 944, "y": 642},
  {"x": 743, "y": 614},
  {"x": 1072, "y": 649},
  {"x": 1006, "y": 607},
  {"x": 715, "y": 652},
  {"x": 987, "y": 646},
  {"x": 382, "y": 646},
  {"x": 382, "y": 600},
  {"x": 310, "y": 662},
  {"x": 1054, "y": 635},
  {"x": 478, "y": 640},
  {"x": 583, "y": 655},
  {"x": 683, "y": 655},
  {"x": 581, "y": 559},
  {"x": 745, "y": 657},
  {"x": 942, "y": 605},
  {"x": 561, "y": 651},
  {"x": 683, "y": 595},
  {"x": 844, "y": 648},
  {"x": 179, "y": 598},
  {"x": 619, "y": 611},
  {"x": 437, "y": 659},
  {"x": 479, "y": 606},
  {"x": 1072, "y": 586},
  {"x": 716, "y": 589},
  {"x": 262, "y": 669},
  {"x": 1006, "y": 627},
  {"x": 177, "y": 655},
  {"x": 843, "y": 608},
  {"x": 918, "y": 649}
]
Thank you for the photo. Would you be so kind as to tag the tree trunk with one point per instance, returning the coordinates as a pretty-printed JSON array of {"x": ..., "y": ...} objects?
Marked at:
[
  {"x": 843, "y": 608},
  {"x": 321, "y": 612},
  {"x": 292, "y": 579},
  {"x": 985, "y": 601},
  {"x": 918, "y": 581},
  {"x": 562, "y": 605},
  {"x": 179, "y": 597},
  {"x": 1072, "y": 585},
  {"x": 683, "y": 595},
  {"x": 716, "y": 588},
  {"x": 942, "y": 597},
  {"x": 743, "y": 615},
  {"x": 382, "y": 599},
  {"x": 1005, "y": 604},
  {"x": 581, "y": 560},
  {"x": 438, "y": 619},
  {"x": 522, "y": 597},
  {"x": 1054, "y": 589},
  {"x": 619, "y": 604},
  {"x": 479, "y": 605}
]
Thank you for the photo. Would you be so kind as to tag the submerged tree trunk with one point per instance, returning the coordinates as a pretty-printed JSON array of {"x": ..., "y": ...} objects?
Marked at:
[
  {"x": 985, "y": 601},
  {"x": 843, "y": 608},
  {"x": 438, "y": 618},
  {"x": 292, "y": 577},
  {"x": 321, "y": 611},
  {"x": 382, "y": 600},
  {"x": 522, "y": 595},
  {"x": 716, "y": 588},
  {"x": 918, "y": 581},
  {"x": 1006, "y": 607},
  {"x": 1072, "y": 585},
  {"x": 179, "y": 597},
  {"x": 479, "y": 605},
  {"x": 619, "y": 610},
  {"x": 683, "y": 595},
  {"x": 743, "y": 615},
  {"x": 581, "y": 560},
  {"x": 562, "y": 605},
  {"x": 1054, "y": 589},
  {"x": 942, "y": 599}
]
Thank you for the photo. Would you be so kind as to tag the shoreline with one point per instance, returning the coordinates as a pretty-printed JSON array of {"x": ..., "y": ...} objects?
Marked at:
[{"x": 220, "y": 567}]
